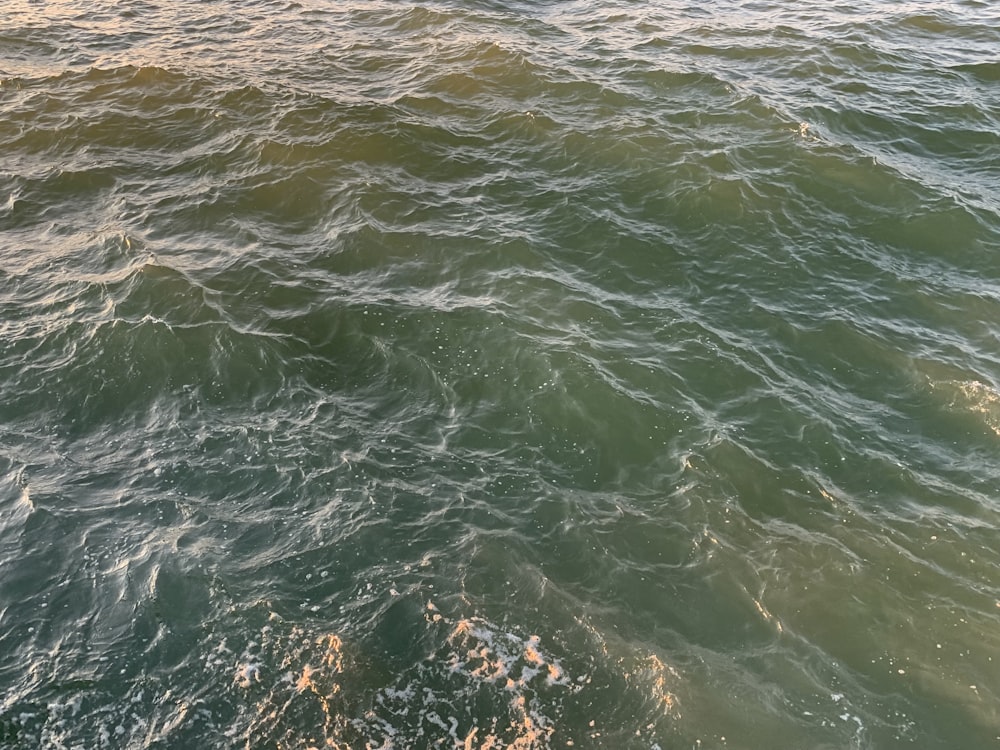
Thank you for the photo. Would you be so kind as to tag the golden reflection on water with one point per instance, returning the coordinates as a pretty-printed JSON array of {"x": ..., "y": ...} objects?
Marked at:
[{"x": 313, "y": 698}]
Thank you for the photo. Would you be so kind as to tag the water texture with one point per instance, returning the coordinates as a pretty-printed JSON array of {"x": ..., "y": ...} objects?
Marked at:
[{"x": 499, "y": 375}]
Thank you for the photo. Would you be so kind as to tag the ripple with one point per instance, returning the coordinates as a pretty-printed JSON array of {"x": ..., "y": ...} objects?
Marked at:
[{"x": 499, "y": 375}]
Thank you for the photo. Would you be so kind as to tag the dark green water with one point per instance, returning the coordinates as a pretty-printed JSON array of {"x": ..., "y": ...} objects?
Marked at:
[{"x": 499, "y": 375}]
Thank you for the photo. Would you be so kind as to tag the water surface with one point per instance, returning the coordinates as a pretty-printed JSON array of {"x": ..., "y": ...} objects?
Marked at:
[{"x": 499, "y": 375}]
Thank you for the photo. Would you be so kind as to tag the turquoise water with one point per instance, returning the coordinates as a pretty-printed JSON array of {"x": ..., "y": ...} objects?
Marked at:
[{"x": 499, "y": 375}]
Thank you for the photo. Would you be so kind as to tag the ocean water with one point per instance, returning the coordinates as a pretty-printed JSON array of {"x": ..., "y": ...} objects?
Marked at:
[{"x": 499, "y": 374}]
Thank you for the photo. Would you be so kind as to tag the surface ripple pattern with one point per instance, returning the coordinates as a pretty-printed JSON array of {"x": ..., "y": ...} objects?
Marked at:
[{"x": 497, "y": 374}]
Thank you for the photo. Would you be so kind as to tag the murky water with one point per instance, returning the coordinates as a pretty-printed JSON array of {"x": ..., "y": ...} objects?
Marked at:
[{"x": 499, "y": 375}]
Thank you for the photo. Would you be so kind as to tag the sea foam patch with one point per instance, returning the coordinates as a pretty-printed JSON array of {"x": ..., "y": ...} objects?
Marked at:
[
  {"x": 264, "y": 682},
  {"x": 481, "y": 686}
]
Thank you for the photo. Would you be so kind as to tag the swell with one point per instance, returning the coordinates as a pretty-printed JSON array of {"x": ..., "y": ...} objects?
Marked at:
[{"x": 642, "y": 370}]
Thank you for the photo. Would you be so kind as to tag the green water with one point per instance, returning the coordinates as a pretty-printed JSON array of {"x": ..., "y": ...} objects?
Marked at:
[{"x": 499, "y": 375}]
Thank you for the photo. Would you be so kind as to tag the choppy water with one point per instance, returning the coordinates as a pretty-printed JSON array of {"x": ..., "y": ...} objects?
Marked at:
[{"x": 500, "y": 375}]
